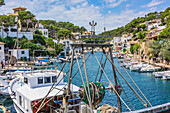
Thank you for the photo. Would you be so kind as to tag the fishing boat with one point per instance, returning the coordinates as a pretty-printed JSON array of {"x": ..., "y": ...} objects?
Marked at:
[{"x": 46, "y": 91}]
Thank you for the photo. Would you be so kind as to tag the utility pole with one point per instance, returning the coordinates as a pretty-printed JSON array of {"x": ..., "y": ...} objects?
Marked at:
[
  {"x": 17, "y": 41},
  {"x": 93, "y": 24}
]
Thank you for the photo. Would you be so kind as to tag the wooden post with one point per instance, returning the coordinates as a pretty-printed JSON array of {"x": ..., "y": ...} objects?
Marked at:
[
  {"x": 69, "y": 82},
  {"x": 115, "y": 79}
]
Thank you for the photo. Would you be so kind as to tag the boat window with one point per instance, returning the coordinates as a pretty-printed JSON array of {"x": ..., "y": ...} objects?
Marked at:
[
  {"x": 40, "y": 80},
  {"x": 47, "y": 80},
  {"x": 53, "y": 78},
  {"x": 26, "y": 80},
  {"x": 20, "y": 101},
  {"x": 0, "y": 48}
]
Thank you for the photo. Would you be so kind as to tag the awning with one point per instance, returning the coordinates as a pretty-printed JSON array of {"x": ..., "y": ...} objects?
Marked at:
[{"x": 44, "y": 60}]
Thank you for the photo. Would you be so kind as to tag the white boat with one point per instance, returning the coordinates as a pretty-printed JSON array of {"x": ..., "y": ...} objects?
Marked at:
[
  {"x": 40, "y": 63},
  {"x": 137, "y": 67},
  {"x": 55, "y": 60},
  {"x": 160, "y": 74},
  {"x": 150, "y": 68},
  {"x": 166, "y": 76},
  {"x": 32, "y": 87}
]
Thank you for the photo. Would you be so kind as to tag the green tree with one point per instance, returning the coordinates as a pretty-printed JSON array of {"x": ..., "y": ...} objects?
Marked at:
[
  {"x": 38, "y": 32},
  {"x": 64, "y": 34},
  {"x": 141, "y": 35},
  {"x": 26, "y": 17},
  {"x": 9, "y": 42},
  {"x": 31, "y": 46},
  {"x": 23, "y": 40},
  {"x": 155, "y": 48},
  {"x": 165, "y": 34},
  {"x": 39, "y": 39},
  {"x": 2, "y": 3},
  {"x": 136, "y": 47}
]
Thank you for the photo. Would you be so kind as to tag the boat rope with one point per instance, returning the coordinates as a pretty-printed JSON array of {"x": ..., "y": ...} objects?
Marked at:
[
  {"x": 61, "y": 80},
  {"x": 112, "y": 84},
  {"x": 85, "y": 69},
  {"x": 135, "y": 84},
  {"x": 83, "y": 81},
  {"x": 137, "y": 95},
  {"x": 99, "y": 68}
]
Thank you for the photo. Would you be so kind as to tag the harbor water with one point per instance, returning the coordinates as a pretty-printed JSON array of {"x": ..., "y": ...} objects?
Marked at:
[{"x": 156, "y": 90}]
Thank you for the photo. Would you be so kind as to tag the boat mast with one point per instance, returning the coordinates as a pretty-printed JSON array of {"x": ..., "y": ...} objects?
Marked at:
[
  {"x": 65, "y": 101},
  {"x": 115, "y": 79}
]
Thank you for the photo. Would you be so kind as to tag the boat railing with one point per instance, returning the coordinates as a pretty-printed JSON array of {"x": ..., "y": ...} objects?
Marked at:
[{"x": 11, "y": 84}]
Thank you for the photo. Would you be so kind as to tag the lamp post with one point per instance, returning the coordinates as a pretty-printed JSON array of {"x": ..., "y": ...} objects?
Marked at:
[{"x": 93, "y": 24}]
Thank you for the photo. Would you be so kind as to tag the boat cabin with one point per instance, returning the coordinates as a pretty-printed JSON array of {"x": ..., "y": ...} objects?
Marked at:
[
  {"x": 40, "y": 79},
  {"x": 34, "y": 87}
]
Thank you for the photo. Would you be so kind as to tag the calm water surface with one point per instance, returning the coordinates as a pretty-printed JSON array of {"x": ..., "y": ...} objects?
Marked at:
[{"x": 156, "y": 90}]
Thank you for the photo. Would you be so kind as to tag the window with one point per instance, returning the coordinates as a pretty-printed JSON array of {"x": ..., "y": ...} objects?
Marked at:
[
  {"x": 26, "y": 80},
  {"x": 40, "y": 80},
  {"x": 47, "y": 80},
  {"x": 53, "y": 78},
  {"x": 22, "y": 52},
  {"x": 0, "y": 48},
  {"x": 9, "y": 52}
]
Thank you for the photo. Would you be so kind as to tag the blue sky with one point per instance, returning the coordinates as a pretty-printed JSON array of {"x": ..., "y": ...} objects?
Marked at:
[{"x": 111, "y": 13}]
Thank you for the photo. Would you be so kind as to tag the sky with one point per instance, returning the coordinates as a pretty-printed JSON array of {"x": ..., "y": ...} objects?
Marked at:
[{"x": 107, "y": 13}]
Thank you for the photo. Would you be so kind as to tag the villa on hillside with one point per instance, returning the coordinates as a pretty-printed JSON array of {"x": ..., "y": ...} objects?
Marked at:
[
  {"x": 22, "y": 30},
  {"x": 152, "y": 24}
]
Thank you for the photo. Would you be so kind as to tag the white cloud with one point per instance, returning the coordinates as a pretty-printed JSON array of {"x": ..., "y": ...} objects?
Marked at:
[
  {"x": 81, "y": 13},
  {"x": 127, "y": 5},
  {"x": 114, "y": 3},
  {"x": 154, "y": 3}
]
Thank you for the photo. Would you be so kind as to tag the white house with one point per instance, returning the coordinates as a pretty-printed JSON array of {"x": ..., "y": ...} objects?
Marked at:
[
  {"x": 2, "y": 55},
  {"x": 67, "y": 47},
  {"x": 23, "y": 54},
  {"x": 40, "y": 27},
  {"x": 12, "y": 32},
  {"x": 44, "y": 32}
]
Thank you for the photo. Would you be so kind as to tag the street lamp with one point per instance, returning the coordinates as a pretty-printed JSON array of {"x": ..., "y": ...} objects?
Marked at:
[{"x": 93, "y": 24}]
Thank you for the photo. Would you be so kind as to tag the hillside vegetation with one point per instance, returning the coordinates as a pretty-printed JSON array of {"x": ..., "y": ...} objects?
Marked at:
[{"x": 135, "y": 23}]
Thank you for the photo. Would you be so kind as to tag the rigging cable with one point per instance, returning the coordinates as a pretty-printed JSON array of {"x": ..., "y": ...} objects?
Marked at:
[
  {"x": 112, "y": 84},
  {"x": 138, "y": 96},
  {"x": 136, "y": 85},
  {"x": 60, "y": 81},
  {"x": 83, "y": 80}
]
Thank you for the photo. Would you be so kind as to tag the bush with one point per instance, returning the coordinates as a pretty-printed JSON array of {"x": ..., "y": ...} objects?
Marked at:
[{"x": 38, "y": 32}]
